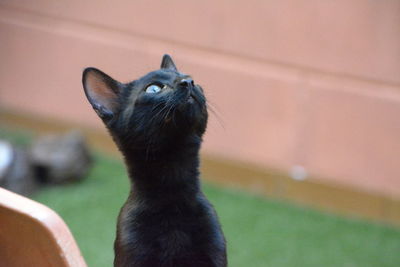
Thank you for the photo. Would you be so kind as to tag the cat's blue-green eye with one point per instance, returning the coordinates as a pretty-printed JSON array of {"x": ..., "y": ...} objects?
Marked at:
[{"x": 153, "y": 89}]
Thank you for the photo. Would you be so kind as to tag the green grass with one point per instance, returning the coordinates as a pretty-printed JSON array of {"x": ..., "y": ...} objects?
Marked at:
[{"x": 260, "y": 232}]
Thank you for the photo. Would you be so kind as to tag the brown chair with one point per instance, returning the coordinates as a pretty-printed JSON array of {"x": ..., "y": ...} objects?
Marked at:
[{"x": 31, "y": 234}]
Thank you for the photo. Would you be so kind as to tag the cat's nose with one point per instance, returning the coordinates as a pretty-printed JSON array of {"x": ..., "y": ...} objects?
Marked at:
[{"x": 186, "y": 82}]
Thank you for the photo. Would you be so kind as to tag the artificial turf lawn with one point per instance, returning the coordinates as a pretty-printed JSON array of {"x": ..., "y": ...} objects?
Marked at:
[{"x": 260, "y": 232}]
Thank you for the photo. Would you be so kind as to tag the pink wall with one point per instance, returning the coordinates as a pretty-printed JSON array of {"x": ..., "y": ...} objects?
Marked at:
[{"x": 312, "y": 83}]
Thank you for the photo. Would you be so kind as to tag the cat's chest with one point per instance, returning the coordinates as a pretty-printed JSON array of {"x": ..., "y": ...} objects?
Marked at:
[{"x": 167, "y": 224}]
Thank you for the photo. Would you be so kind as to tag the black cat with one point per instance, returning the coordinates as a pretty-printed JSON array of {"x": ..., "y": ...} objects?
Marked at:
[{"x": 157, "y": 123}]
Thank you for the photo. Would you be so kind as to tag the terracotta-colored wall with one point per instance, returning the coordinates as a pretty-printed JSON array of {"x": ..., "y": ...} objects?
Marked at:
[{"x": 311, "y": 83}]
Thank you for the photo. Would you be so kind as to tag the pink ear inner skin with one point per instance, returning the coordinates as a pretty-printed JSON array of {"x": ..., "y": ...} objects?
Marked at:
[{"x": 100, "y": 92}]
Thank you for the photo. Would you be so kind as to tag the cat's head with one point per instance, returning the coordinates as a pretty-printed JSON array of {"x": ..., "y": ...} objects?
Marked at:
[{"x": 161, "y": 107}]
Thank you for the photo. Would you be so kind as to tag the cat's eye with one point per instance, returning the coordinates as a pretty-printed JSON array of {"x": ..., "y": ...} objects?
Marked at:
[{"x": 153, "y": 89}]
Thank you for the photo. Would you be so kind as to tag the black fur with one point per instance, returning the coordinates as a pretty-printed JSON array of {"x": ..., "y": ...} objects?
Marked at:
[{"x": 167, "y": 220}]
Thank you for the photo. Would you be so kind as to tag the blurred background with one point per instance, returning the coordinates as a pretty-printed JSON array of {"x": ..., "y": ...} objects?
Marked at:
[{"x": 306, "y": 97}]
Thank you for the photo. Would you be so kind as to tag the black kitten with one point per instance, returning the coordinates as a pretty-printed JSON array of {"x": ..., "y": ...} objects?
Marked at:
[{"x": 157, "y": 123}]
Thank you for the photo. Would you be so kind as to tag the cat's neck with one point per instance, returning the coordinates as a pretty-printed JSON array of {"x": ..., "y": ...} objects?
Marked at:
[{"x": 172, "y": 171}]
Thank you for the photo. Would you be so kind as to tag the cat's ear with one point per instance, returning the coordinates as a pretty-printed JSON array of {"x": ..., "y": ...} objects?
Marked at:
[
  {"x": 168, "y": 63},
  {"x": 102, "y": 91}
]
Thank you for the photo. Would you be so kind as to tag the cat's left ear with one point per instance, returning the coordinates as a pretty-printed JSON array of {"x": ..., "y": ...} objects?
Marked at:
[
  {"x": 168, "y": 63},
  {"x": 102, "y": 91}
]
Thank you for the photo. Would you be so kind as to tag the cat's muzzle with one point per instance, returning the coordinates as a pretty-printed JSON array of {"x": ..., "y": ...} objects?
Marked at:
[{"x": 188, "y": 85}]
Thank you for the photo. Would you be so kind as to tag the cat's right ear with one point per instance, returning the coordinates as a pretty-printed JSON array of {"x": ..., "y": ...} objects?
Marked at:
[
  {"x": 102, "y": 91},
  {"x": 168, "y": 63}
]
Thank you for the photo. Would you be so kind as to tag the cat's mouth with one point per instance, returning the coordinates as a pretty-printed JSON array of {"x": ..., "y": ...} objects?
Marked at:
[{"x": 190, "y": 99}]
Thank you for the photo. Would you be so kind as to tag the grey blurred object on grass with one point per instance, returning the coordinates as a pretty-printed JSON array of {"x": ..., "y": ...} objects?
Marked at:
[
  {"x": 61, "y": 158},
  {"x": 52, "y": 159},
  {"x": 16, "y": 172}
]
